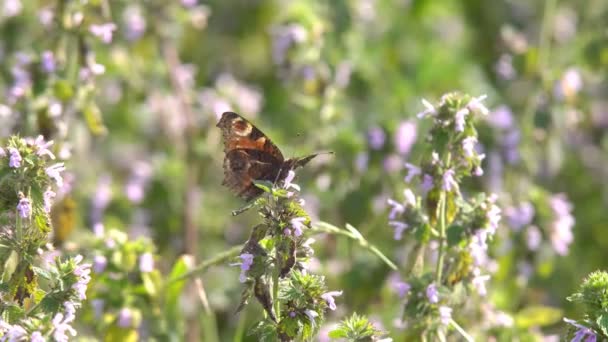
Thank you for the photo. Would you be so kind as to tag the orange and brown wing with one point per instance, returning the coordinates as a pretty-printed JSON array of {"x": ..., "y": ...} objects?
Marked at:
[
  {"x": 238, "y": 133},
  {"x": 250, "y": 156}
]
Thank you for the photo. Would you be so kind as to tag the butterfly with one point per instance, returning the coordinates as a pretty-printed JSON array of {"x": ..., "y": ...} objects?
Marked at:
[{"x": 250, "y": 155}]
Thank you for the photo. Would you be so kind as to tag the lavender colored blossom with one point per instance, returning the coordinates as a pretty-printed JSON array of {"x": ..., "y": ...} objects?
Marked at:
[
  {"x": 24, "y": 207},
  {"x": 501, "y": 118},
  {"x": 376, "y": 138},
  {"x": 137, "y": 182},
  {"x": 362, "y": 161},
  {"x": 70, "y": 311},
  {"x": 283, "y": 38},
  {"x": 37, "y": 337},
  {"x": 48, "y": 197},
  {"x": 399, "y": 227},
  {"x": 504, "y": 67},
  {"x": 311, "y": 314},
  {"x": 405, "y": 137},
  {"x": 412, "y": 171},
  {"x": 468, "y": 146},
  {"x": 134, "y": 23},
  {"x": 460, "y": 119},
  {"x": 570, "y": 84},
  {"x": 61, "y": 328},
  {"x": 15, "y": 158},
  {"x": 287, "y": 183},
  {"x": 476, "y": 105},
  {"x": 15, "y": 333},
  {"x": 533, "y": 238},
  {"x": 298, "y": 225},
  {"x": 42, "y": 147},
  {"x": 428, "y": 111},
  {"x": 11, "y": 8},
  {"x": 47, "y": 62},
  {"x": 329, "y": 298},
  {"x": 246, "y": 262},
  {"x": 146, "y": 263},
  {"x": 445, "y": 315},
  {"x": 520, "y": 216},
  {"x": 396, "y": 209},
  {"x": 99, "y": 263},
  {"x": 449, "y": 183},
  {"x": 125, "y": 318},
  {"x": 583, "y": 333},
  {"x": 432, "y": 294},
  {"x": 98, "y": 306},
  {"x": 561, "y": 228},
  {"x": 292, "y": 314},
  {"x": 103, "y": 31},
  {"x": 479, "y": 281},
  {"x": 82, "y": 272},
  {"x": 427, "y": 183},
  {"x": 478, "y": 248},
  {"x": 392, "y": 163},
  {"x": 54, "y": 172},
  {"x": 101, "y": 198},
  {"x": 402, "y": 289},
  {"x": 189, "y": 3}
]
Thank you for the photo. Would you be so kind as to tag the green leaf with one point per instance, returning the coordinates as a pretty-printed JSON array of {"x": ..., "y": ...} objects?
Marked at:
[
  {"x": 454, "y": 235},
  {"x": 42, "y": 272},
  {"x": 174, "y": 289},
  {"x": 537, "y": 316},
  {"x": 264, "y": 185},
  {"x": 602, "y": 323},
  {"x": 152, "y": 281}
]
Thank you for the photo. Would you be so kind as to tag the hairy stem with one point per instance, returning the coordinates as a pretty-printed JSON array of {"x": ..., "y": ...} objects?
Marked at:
[{"x": 439, "y": 270}]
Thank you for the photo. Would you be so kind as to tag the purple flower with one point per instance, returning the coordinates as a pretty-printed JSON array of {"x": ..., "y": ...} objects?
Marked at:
[
  {"x": 311, "y": 316},
  {"x": 402, "y": 288},
  {"x": 428, "y": 111},
  {"x": 376, "y": 138},
  {"x": 125, "y": 318},
  {"x": 54, "y": 172},
  {"x": 475, "y": 105},
  {"x": 445, "y": 315},
  {"x": 504, "y": 67},
  {"x": 392, "y": 163},
  {"x": 570, "y": 84},
  {"x": 501, "y": 118},
  {"x": 47, "y": 62},
  {"x": 37, "y": 337},
  {"x": 468, "y": 145},
  {"x": 98, "y": 305},
  {"x": 42, "y": 147},
  {"x": 103, "y": 31},
  {"x": 24, "y": 207},
  {"x": 478, "y": 247},
  {"x": 70, "y": 311},
  {"x": 99, "y": 263},
  {"x": 146, "y": 263},
  {"x": 283, "y": 38},
  {"x": 329, "y": 298},
  {"x": 427, "y": 183},
  {"x": 298, "y": 224},
  {"x": 432, "y": 294},
  {"x": 583, "y": 333},
  {"x": 61, "y": 328},
  {"x": 479, "y": 281},
  {"x": 412, "y": 171},
  {"x": 82, "y": 272},
  {"x": 520, "y": 216},
  {"x": 287, "y": 183},
  {"x": 135, "y": 187},
  {"x": 48, "y": 197},
  {"x": 11, "y": 8},
  {"x": 459, "y": 119},
  {"x": 189, "y": 3},
  {"x": 101, "y": 198},
  {"x": 561, "y": 227},
  {"x": 134, "y": 22},
  {"x": 396, "y": 209},
  {"x": 361, "y": 161},
  {"x": 399, "y": 227},
  {"x": 15, "y": 158},
  {"x": 15, "y": 333},
  {"x": 449, "y": 183},
  {"x": 405, "y": 137},
  {"x": 533, "y": 238},
  {"x": 246, "y": 262}
]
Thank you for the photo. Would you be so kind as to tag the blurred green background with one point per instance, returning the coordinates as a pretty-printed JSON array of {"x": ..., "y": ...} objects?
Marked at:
[{"x": 342, "y": 76}]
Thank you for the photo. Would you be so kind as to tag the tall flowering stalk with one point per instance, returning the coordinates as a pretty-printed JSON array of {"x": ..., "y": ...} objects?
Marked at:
[
  {"x": 272, "y": 264},
  {"x": 451, "y": 231},
  {"x": 28, "y": 310}
]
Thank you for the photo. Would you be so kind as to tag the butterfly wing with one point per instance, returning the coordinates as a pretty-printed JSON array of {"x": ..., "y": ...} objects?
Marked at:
[{"x": 250, "y": 155}]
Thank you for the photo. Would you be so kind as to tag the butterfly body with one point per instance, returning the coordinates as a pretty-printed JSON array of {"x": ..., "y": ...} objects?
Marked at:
[{"x": 250, "y": 155}]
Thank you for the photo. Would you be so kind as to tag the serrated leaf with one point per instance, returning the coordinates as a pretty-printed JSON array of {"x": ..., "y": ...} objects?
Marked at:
[
  {"x": 602, "y": 323},
  {"x": 42, "y": 272}
]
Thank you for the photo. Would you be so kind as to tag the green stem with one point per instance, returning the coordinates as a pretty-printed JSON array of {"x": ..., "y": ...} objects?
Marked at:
[
  {"x": 275, "y": 285},
  {"x": 464, "y": 334},
  {"x": 203, "y": 266},
  {"x": 439, "y": 270},
  {"x": 324, "y": 227}
]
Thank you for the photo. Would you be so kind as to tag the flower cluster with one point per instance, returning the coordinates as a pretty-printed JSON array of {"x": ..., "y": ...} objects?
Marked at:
[
  {"x": 458, "y": 228},
  {"x": 273, "y": 267}
]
